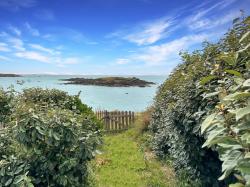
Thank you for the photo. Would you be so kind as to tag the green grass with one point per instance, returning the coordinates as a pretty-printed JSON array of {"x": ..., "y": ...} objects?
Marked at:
[{"x": 122, "y": 164}]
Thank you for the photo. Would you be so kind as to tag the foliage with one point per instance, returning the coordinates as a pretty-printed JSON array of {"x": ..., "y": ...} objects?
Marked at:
[
  {"x": 228, "y": 125},
  {"x": 49, "y": 139},
  {"x": 6, "y": 104},
  {"x": 180, "y": 107},
  {"x": 142, "y": 122},
  {"x": 176, "y": 127}
]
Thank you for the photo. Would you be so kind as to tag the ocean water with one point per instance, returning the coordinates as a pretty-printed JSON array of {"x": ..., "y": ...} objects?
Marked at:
[{"x": 98, "y": 97}]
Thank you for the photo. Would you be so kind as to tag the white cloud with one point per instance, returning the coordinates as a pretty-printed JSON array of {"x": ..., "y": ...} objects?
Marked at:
[
  {"x": 145, "y": 33},
  {"x": 15, "y": 30},
  {"x": 32, "y": 55},
  {"x": 150, "y": 33},
  {"x": 227, "y": 3},
  {"x": 71, "y": 60},
  {"x": 63, "y": 62},
  {"x": 4, "y": 47},
  {"x": 122, "y": 61},
  {"x": 17, "y": 43},
  {"x": 41, "y": 48},
  {"x": 32, "y": 30},
  {"x": 156, "y": 30},
  {"x": 15, "y": 5},
  {"x": 205, "y": 9},
  {"x": 159, "y": 54},
  {"x": 203, "y": 23}
]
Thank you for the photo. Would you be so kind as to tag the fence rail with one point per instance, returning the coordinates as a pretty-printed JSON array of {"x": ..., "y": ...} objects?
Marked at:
[{"x": 116, "y": 120}]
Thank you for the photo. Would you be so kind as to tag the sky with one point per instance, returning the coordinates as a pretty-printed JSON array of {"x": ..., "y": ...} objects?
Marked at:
[{"x": 108, "y": 37}]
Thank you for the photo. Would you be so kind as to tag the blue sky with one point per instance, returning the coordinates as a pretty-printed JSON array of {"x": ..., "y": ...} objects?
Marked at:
[{"x": 113, "y": 37}]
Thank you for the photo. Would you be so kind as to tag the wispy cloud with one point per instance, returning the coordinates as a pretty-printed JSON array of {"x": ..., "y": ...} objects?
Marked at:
[
  {"x": 16, "y": 43},
  {"x": 206, "y": 18},
  {"x": 32, "y": 30},
  {"x": 15, "y": 5},
  {"x": 157, "y": 54},
  {"x": 150, "y": 33},
  {"x": 156, "y": 48},
  {"x": 122, "y": 61},
  {"x": 72, "y": 60},
  {"x": 41, "y": 48},
  {"x": 202, "y": 17},
  {"x": 145, "y": 33},
  {"x": 208, "y": 23},
  {"x": 205, "y": 10},
  {"x": 4, "y": 47},
  {"x": 32, "y": 55},
  {"x": 15, "y": 30},
  {"x": 64, "y": 62}
]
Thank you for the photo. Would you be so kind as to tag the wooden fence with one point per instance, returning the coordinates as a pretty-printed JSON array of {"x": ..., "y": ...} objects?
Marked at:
[
  {"x": 1, "y": 125},
  {"x": 116, "y": 120}
]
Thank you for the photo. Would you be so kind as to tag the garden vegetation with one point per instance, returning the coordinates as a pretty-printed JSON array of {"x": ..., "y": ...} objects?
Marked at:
[
  {"x": 201, "y": 117},
  {"x": 47, "y": 138}
]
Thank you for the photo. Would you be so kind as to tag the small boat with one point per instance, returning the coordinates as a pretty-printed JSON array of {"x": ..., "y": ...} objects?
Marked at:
[{"x": 20, "y": 82}]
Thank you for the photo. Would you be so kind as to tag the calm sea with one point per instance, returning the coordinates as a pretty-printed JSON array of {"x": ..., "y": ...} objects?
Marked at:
[{"x": 98, "y": 97}]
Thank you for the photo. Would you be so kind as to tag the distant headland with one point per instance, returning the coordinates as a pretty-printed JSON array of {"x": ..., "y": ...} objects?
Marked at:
[
  {"x": 110, "y": 81},
  {"x": 9, "y": 75}
]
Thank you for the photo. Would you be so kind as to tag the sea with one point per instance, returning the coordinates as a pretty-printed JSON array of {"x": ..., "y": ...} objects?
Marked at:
[{"x": 98, "y": 97}]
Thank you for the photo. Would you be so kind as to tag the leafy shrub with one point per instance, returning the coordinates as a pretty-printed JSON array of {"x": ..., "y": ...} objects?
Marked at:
[
  {"x": 176, "y": 127},
  {"x": 180, "y": 108},
  {"x": 54, "y": 98},
  {"x": 6, "y": 104},
  {"x": 50, "y": 139},
  {"x": 228, "y": 125}
]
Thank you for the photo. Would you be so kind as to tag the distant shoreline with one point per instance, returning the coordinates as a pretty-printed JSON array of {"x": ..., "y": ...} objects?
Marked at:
[{"x": 9, "y": 75}]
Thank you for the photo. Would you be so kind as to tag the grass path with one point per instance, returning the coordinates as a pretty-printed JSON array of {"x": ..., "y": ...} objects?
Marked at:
[{"x": 122, "y": 164}]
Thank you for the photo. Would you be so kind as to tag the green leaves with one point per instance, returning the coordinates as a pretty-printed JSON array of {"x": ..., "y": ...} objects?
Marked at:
[
  {"x": 207, "y": 79},
  {"x": 211, "y": 84},
  {"x": 244, "y": 36},
  {"x": 246, "y": 83},
  {"x": 233, "y": 72},
  {"x": 228, "y": 127},
  {"x": 43, "y": 133},
  {"x": 230, "y": 160},
  {"x": 241, "y": 112},
  {"x": 237, "y": 185},
  {"x": 229, "y": 58},
  {"x": 210, "y": 120}
]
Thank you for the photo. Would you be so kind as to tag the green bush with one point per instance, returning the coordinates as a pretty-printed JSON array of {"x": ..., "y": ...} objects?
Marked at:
[
  {"x": 180, "y": 109},
  {"x": 6, "y": 98},
  {"x": 227, "y": 126},
  {"x": 176, "y": 126},
  {"x": 49, "y": 140}
]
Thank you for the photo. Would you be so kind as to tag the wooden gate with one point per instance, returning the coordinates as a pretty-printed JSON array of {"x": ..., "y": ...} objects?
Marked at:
[{"x": 116, "y": 120}]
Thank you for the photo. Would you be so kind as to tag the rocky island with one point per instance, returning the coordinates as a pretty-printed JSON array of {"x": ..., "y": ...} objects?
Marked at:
[
  {"x": 110, "y": 81},
  {"x": 9, "y": 75}
]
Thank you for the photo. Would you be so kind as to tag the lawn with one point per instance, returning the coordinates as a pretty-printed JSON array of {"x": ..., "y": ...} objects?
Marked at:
[{"x": 122, "y": 164}]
